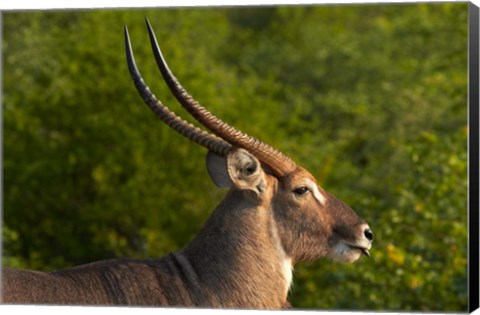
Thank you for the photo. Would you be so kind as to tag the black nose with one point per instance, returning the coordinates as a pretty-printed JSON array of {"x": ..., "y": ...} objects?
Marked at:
[{"x": 368, "y": 234}]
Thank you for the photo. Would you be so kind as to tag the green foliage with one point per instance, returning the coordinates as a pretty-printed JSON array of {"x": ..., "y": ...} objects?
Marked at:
[{"x": 371, "y": 99}]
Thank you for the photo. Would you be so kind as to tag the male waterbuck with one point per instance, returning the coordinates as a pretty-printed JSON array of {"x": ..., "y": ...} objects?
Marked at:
[{"x": 274, "y": 215}]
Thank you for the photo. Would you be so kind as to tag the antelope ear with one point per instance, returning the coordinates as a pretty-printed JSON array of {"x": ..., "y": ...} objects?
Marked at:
[
  {"x": 245, "y": 171},
  {"x": 217, "y": 169}
]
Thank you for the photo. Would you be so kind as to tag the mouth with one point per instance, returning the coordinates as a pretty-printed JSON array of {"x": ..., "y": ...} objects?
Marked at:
[{"x": 363, "y": 250}]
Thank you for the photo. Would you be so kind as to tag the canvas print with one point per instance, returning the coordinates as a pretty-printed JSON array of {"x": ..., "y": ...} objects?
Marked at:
[{"x": 306, "y": 157}]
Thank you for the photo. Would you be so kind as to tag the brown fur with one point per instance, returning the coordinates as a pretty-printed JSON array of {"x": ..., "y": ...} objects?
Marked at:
[
  {"x": 244, "y": 254},
  {"x": 239, "y": 259}
]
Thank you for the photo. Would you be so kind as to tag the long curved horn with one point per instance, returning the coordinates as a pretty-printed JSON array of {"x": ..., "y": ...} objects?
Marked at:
[
  {"x": 279, "y": 163},
  {"x": 191, "y": 132}
]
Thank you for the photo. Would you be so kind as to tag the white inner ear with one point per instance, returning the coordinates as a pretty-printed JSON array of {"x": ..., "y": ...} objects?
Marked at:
[{"x": 217, "y": 169}]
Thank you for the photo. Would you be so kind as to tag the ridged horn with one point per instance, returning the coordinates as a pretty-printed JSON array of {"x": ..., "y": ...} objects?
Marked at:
[
  {"x": 279, "y": 163},
  {"x": 186, "y": 129}
]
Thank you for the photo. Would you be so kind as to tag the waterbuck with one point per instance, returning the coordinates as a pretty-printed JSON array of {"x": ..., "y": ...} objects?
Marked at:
[{"x": 274, "y": 215}]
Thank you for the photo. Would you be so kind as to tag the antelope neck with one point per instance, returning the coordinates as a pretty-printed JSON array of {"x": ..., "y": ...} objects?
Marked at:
[{"x": 247, "y": 264}]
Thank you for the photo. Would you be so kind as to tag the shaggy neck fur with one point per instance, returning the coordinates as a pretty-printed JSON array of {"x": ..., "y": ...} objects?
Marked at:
[{"x": 238, "y": 258}]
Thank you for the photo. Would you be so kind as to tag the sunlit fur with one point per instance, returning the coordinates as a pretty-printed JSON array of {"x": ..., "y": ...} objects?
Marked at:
[
  {"x": 244, "y": 254},
  {"x": 311, "y": 228}
]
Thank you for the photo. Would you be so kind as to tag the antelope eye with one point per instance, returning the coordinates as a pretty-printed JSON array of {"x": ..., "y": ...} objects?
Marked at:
[{"x": 301, "y": 191}]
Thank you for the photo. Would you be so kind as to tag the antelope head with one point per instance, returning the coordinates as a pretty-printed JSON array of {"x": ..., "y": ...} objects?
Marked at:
[{"x": 310, "y": 223}]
